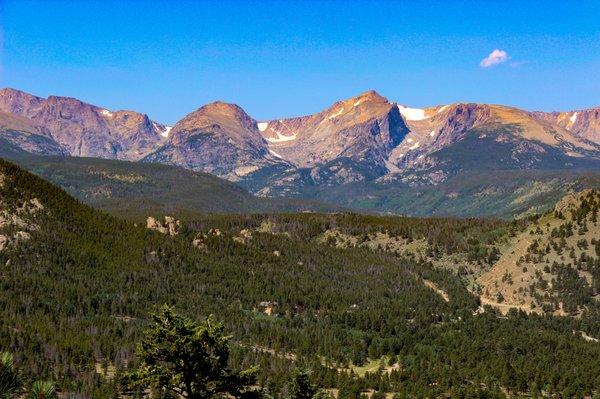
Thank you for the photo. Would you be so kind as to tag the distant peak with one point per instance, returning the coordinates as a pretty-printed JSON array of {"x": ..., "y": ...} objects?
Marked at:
[
  {"x": 221, "y": 105},
  {"x": 8, "y": 91},
  {"x": 219, "y": 111},
  {"x": 371, "y": 95},
  {"x": 367, "y": 97}
]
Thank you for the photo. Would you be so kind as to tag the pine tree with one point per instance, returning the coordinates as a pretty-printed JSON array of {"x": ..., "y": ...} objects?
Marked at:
[
  {"x": 43, "y": 390},
  {"x": 181, "y": 357},
  {"x": 301, "y": 387},
  {"x": 9, "y": 379}
]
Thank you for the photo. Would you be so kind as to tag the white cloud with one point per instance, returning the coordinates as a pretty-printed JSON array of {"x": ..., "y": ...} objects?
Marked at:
[{"x": 496, "y": 57}]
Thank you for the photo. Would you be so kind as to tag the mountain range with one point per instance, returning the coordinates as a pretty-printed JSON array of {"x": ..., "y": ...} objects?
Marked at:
[{"x": 357, "y": 148}]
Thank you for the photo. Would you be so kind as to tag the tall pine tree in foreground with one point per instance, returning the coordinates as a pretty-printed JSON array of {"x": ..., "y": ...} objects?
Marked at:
[{"x": 179, "y": 357}]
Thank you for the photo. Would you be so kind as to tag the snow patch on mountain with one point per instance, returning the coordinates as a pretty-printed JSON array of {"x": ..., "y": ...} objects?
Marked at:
[
  {"x": 162, "y": 130},
  {"x": 106, "y": 112},
  {"x": 341, "y": 111},
  {"x": 262, "y": 126},
  {"x": 360, "y": 100},
  {"x": 412, "y": 114},
  {"x": 165, "y": 133},
  {"x": 275, "y": 154},
  {"x": 573, "y": 118},
  {"x": 414, "y": 146},
  {"x": 280, "y": 137}
]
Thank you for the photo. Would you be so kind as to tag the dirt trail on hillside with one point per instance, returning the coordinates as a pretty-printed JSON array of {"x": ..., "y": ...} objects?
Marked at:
[
  {"x": 504, "y": 307},
  {"x": 437, "y": 290}
]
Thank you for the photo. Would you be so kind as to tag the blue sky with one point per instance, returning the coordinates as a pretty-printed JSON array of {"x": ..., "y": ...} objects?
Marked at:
[{"x": 283, "y": 58}]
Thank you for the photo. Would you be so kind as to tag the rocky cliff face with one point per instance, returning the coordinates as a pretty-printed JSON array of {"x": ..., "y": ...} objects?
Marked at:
[
  {"x": 218, "y": 138},
  {"x": 584, "y": 123},
  {"x": 25, "y": 135},
  {"x": 363, "y": 128},
  {"x": 86, "y": 130}
]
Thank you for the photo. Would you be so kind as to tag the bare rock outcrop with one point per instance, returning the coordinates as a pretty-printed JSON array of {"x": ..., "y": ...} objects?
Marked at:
[
  {"x": 17, "y": 223},
  {"x": 170, "y": 226},
  {"x": 200, "y": 240},
  {"x": 244, "y": 236}
]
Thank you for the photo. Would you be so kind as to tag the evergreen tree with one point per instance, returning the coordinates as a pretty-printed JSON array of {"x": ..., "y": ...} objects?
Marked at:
[
  {"x": 301, "y": 387},
  {"x": 181, "y": 357},
  {"x": 43, "y": 390},
  {"x": 9, "y": 379}
]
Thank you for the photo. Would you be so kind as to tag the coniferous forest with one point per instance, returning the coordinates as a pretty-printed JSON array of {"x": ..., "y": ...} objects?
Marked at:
[{"x": 308, "y": 314}]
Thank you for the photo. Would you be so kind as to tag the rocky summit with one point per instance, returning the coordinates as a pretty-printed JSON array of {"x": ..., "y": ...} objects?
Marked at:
[{"x": 218, "y": 138}]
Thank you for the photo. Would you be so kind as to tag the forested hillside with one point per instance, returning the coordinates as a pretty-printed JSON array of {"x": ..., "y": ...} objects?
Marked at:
[
  {"x": 293, "y": 290},
  {"x": 134, "y": 190}
]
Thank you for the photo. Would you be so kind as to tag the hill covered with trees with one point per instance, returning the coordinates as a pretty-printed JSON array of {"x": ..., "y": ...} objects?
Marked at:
[{"x": 134, "y": 190}]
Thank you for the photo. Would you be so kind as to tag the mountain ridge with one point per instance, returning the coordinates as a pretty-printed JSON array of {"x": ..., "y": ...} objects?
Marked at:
[
  {"x": 83, "y": 129},
  {"x": 366, "y": 138}
]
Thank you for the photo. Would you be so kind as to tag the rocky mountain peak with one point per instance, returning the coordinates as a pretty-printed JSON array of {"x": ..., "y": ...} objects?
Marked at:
[
  {"x": 18, "y": 102},
  {"x": 222, "y": 107},
  {"x": 361, "y": 107},
  {"x": 346, "y": 142},
  {"x": 222, "y": 114},
  {"x": 370, "y": 95},
  {"x": 219, "y": 138}
]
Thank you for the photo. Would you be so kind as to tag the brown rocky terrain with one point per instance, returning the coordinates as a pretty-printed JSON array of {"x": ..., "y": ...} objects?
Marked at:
[
  {"x": 366, "y": 127},
  {"x": 584, "y": 123},
  {"x": 218, "y": 138},
  {"x": 86, "y": 130}
]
